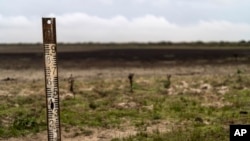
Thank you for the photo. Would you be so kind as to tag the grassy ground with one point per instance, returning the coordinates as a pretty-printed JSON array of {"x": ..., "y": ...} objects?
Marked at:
[{"x": 190, "y": 107}]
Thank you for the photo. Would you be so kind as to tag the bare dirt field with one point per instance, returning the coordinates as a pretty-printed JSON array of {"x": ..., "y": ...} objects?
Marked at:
[{"x": 203, "y": 76}]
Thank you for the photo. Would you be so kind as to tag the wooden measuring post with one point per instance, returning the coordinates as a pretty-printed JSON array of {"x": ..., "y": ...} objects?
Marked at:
[{"x": 51, "y": 79}]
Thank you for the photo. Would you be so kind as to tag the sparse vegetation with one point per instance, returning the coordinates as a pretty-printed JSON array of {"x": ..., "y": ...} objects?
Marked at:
[
  {"x": 71, "y": 81},
  {"x": 167, "y": 82},
  {"x": 199, "y": 102},
  {"x": 189, "y": 115}
]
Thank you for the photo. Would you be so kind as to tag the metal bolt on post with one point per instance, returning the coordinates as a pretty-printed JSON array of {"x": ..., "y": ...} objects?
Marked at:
[{"x": 51, "y": 79}]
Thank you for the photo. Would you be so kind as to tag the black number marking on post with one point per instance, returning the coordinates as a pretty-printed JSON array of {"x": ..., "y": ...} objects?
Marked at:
[
  {"x": 51, "y": 79},
  {"x": 52, "y": 92}
]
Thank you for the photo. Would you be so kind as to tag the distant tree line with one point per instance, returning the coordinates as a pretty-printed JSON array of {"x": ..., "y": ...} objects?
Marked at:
[{"x": 162, "y": 43}]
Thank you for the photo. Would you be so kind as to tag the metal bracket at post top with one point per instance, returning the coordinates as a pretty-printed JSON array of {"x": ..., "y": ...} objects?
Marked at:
[{"x": 51, "y": 79}]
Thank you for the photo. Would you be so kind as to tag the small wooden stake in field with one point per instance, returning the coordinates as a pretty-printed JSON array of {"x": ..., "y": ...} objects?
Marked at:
[
  {"x": 130, "y": 77},
  {"x": 51, "y": 79}
]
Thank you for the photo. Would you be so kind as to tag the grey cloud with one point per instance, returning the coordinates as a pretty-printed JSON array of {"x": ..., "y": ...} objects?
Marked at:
[
  {"x": 81, "y": 27},
  {"x": 179, "y": 11}
]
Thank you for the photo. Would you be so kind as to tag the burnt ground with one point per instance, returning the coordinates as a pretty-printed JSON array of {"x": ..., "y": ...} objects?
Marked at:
[{"x": 98, "y": 57}]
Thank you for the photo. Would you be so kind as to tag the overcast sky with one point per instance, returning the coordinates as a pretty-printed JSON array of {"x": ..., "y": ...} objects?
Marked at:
[{"x": 126, "y": 20}]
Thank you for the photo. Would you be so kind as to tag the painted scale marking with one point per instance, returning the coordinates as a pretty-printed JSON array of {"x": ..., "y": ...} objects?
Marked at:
[
  {"x": 52, "y": 91},
  {"x": 51, "y": 79}
]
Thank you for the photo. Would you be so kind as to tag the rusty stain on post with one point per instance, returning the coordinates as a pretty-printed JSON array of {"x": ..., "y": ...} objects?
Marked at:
[{"x": 51, "y": 79}]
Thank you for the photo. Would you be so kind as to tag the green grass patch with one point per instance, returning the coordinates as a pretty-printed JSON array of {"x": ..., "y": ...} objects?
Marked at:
[{"x": 190, "y": 116}]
